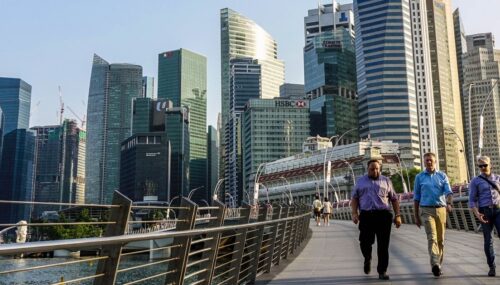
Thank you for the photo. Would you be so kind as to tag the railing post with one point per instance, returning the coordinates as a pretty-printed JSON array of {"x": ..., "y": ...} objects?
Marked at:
[
  {"x": 239, "y": 246},
  {"x": 283, "y": 232},
  {"x": 214, "y": 242},
  {"x": 289, "y": 234},
  {"x": 109, "y": 266},
  {"x": 187, "y": 217},
  {"x": 258, "y": 243},
  {"x": 274, "y": 234}
]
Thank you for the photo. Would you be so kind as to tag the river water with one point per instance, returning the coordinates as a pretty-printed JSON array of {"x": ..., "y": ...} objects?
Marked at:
[{"x": 73, "y": 271}]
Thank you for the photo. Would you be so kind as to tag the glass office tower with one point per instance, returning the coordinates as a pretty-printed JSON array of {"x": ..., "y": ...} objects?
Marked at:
[{"x": 15, "y": 101}]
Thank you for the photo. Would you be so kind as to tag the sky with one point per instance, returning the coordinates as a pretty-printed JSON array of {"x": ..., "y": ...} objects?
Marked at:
[{"x": 51, "y": 43}]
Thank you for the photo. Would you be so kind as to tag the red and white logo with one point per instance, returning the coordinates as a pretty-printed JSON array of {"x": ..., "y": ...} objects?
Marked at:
[{"x": 300, "y": 104}]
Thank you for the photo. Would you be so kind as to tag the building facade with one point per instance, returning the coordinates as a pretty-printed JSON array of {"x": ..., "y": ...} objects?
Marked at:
[
  {"x": 144, "y": 167},
  {"x": 148, "y": 87},
  {"x": 112, "y": 89},
  {"x": 386, "y": 74},
  {"x": 447, "y": 103},
  {"x": 243, "y": 38},
  {"x": 292, "y": 91},
  {"x": 481, "y": 72},
  {"x": 271, "y": 129},
  {"x": 15, "y": 101},
  {"x": 212, "y": 160},
  {"x": 182, "y": 78},
  {"x": 17, "y": 174},
  {"x": 328, "y": 18}
]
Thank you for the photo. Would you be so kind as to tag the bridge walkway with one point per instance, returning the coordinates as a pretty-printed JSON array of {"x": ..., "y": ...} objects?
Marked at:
[{"x": 332, "y": 256}]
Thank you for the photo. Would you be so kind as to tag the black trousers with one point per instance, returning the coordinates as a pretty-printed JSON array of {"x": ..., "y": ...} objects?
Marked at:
[{"x": 375, "y": 224}]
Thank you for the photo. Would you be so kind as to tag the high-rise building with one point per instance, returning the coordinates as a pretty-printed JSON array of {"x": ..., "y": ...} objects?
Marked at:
[
  {"x": 271, "y": 129},
  {"x": 182, "y": 78},
  {"x": 212, "y": 160},
  {"x": 144, "y": 167},
  {"x": 15, "y": 101},
  {"x": 423, "y": 80},
  {"x": 445, "y": 81},
  {"x": 327, "y": 19},
  {"x": 292, "y": 91},
  {"x": 481, "y": 66},
  {"x": 243, "y": 38},
  {"x": 112, "y": 88},
  {"x": 17, "y": 174},
  {"x": 177, "y": 121},
  {"x": 330, "y": 82},
  {"x": 148, "y": 87},
  {"x": 2, "y": 127},
  {"x": 60, "y": 165},
  {"x": 386, "y": 74}
]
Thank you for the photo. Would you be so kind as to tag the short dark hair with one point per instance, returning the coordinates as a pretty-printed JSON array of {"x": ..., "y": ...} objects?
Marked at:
[
  {"x": 317, "y": 196},
  {"x": 427, "y": 154},
  {"x": 326, "y": 199},
  {"x": 372, "y": 161}
]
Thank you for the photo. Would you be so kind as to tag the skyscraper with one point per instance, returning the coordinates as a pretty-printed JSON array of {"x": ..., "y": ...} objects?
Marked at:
[
  {"x": 445, "y": 83},
  {"x": 148, "y": 87},
  {"x": 60, "y": 165},
  {"x": 328, "y": 18},
  {"x": 212, "y": 160},
  {"x": 2, "y": 127},
  {"x": 386, "y": 73},
  {"x": 17, "y": 174},
  {"x": 182, "y": 78},
  {"x": 112, "y": 88},
  {"x": 242, "y": 38},
  {"x": 15, "y": 101},
  {"x": 481, "y": 71},
  {"x": 292, "y": 91}
]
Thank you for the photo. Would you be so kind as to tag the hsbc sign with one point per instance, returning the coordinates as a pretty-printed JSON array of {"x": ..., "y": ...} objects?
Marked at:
[{"x": 291, "y": 103}]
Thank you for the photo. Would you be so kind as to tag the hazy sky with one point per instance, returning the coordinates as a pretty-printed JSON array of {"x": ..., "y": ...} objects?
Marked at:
[{"x": 51, "y": 42}]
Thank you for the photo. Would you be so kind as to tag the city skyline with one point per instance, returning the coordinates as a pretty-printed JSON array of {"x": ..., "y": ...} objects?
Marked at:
[{"x": 47, "y": 54}]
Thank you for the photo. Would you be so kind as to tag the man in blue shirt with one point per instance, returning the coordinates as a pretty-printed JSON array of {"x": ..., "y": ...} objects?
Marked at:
[
  {"x": 484, "y": 201},
  {"x": 373, "y": 196},
  {"x": 432, "y": 197}
]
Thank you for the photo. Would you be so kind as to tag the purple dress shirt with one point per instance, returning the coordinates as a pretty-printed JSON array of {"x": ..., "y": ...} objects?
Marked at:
[
  {"x": 481, "y": 192},
  {"x": 374, "y": 194}
]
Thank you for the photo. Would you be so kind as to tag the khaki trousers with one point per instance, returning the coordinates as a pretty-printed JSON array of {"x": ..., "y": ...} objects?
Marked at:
[{"x": 434, "y": 220}]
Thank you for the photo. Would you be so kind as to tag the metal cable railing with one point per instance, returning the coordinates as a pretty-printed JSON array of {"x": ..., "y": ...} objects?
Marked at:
[{"x": 215, "y": 246}]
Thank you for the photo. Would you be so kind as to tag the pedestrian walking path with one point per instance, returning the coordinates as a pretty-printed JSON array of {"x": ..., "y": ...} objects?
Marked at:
[{"x": 332, "y": 256}]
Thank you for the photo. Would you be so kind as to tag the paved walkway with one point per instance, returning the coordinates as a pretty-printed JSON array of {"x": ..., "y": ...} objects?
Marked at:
[{"x": 332, "y": 256}]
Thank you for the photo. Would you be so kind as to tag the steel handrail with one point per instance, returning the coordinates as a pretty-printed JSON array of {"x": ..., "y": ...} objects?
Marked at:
[{"x": 43, "y": 246}]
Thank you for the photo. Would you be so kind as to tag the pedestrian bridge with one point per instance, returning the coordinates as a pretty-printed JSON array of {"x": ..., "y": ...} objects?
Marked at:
[
  {"x": 332, "y": 256},
  {"x": 271, "y": 244}
]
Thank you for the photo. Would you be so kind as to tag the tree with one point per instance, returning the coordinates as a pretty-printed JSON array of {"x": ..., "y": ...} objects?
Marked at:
[
  {"x": 73, "y": 231},
  {"x": 396, "y": 179}
]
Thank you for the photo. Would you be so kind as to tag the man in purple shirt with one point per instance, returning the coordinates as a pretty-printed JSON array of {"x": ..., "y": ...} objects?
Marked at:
[
  {"x": 371, "y": 196},
  {"x": 484, "y": 201}
]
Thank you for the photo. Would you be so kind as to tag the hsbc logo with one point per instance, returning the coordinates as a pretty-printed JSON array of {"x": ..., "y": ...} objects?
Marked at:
[
  {"x": 163, "y": 105},
  {"x": 300, "y": 104}
]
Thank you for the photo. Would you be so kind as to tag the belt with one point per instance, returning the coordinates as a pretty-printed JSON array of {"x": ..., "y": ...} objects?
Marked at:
[
  {"x": 374, "y": 211},
  {"x": 491, "y": 207},
  {"x": 433, "y": 206}
]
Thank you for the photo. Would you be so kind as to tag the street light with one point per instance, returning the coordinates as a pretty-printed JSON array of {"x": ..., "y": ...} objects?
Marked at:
[
  {"x": 289, "y": 189},
  {"x": 317, "y": 180},
  {"x": 480, "y": 141},
  {"x": 256, "y": 181},
  {"x": 352, "y": 171},
  {"x": 267, "y": 191},
  {"x": 463, "y": 150},
  {"x": 217, "y": 186},
  {"x": 406, "y": 168},
  {"x": 471, "y": 143},
  {"x": 193, "y": 190},
  {"x": 333, "y": 148},
  {"x": 405, "y": 189}
]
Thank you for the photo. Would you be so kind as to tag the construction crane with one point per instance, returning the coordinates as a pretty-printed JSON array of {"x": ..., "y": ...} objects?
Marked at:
[
  {"x": 61, "y": 104},
  {"x": 78, "y": 117}
]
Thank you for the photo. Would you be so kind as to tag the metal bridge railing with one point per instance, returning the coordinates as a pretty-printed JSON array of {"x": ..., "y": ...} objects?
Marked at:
[
  {"x": 209, "y": 245},
  {"x": 461, "y": 218}
]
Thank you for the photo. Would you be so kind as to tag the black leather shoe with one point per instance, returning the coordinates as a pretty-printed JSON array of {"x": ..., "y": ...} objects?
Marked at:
[
  {"x": 367, "y": 267},
  {"x": 383, "y": 276},
  {"x": 436, "y": 270},
  {"x": 492, "y": 272}
]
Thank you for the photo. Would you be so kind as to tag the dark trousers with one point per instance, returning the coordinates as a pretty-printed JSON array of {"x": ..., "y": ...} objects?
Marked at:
[
  {"x": 493, "y": 217},
  {"x": 375, "y": 224}
]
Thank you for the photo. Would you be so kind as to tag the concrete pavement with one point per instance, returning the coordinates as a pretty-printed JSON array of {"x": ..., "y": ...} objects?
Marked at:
[{"x": 332, "y": 256}]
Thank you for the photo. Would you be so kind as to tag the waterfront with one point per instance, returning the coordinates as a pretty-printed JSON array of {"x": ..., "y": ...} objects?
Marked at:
[{"x": 73, "y": 271}]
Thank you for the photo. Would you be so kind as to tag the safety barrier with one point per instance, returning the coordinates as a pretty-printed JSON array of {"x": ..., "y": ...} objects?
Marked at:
[{"x": 209, "y": 245}]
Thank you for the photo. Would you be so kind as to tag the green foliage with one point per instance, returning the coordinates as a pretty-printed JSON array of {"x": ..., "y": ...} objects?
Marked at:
[
  {"x": 73, "y": 231},
  {"x": 396, "y": 179}
]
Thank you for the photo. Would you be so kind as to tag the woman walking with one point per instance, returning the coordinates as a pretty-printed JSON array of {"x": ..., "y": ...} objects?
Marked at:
[{"x": 327, "y": 211}]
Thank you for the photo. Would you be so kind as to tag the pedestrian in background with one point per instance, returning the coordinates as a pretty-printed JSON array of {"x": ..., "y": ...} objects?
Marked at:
[
  {"x": 317, "y": 206},
  {"x": 327, "y": 211}
]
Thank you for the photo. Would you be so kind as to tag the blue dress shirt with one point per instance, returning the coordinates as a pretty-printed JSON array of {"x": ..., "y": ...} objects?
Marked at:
[{"x": 431, "y": 188}]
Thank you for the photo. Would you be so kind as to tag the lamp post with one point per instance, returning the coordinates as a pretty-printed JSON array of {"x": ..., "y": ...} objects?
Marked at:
[
  {"x": 406, "y": 168},
  {"x": 336, "y": 143},
  {"x": 217, "y": 186},
  {"x": 289, "y": 189},
  {"x": 193, "y": 190},
  {"x": 471, "y": 143},
  {"x": 317, "y": 180},
  {"x": 256, "y": 181},
  {"x": 352, "y": 171},
  {"x": 267, "y": 191},
  {"x": 481, "y": 119},
  {"x": 405, "y": 189},
  {"x": 324, "y": 163},
  {"x": 463, "y": 150}
]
